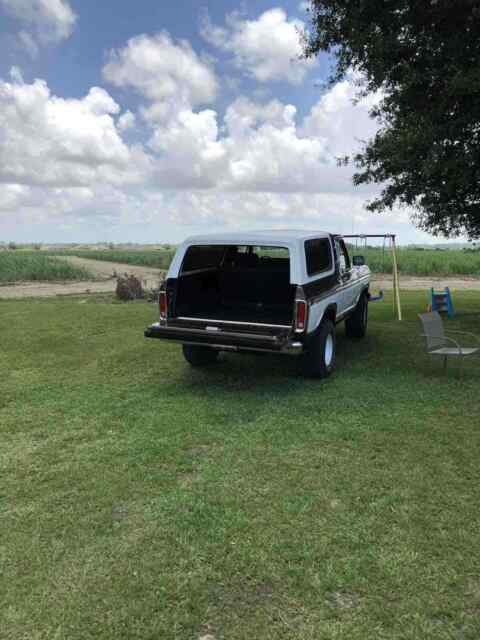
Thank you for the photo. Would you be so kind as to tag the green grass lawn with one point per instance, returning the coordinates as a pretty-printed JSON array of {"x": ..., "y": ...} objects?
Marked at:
[{"x": 142, "y": 499}]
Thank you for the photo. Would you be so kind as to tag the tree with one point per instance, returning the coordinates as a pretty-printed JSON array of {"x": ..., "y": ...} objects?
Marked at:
[{"x": 424, "y": 57}]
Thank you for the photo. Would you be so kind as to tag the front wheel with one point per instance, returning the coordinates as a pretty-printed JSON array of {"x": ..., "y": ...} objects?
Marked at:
[
  {"x": 199, "y": 356},
  {"x": 319, "y": 359},
  {"x": 356, "y": 323}
]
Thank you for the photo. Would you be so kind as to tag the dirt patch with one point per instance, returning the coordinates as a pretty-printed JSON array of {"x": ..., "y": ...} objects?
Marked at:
[
  {"x": 198, "y": 452},
  {"x": 343, "y": 600},
  {"x": 102, "y": 270},
  {"x": 188, "y": 479},
  {"x": 49, "y": 289},
  {"x": 385, "y": 281},
  {"x": 120, "y": 512},
  {"x": 105, "y": 280}
]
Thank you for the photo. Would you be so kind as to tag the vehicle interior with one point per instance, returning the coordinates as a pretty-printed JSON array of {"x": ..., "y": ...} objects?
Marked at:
[{"x": 236, "y": 283}]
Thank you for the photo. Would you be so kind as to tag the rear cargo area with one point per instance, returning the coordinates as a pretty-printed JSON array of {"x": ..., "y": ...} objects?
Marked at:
[{"x": 236, "y": 284}]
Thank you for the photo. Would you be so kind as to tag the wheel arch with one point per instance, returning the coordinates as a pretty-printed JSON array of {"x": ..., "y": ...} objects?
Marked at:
[
  {"x": 364, "y": 291},
  {"x": 329, "y": 313}
]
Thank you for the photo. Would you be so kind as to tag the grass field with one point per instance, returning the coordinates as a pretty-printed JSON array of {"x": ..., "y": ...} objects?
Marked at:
[
  {"x": 142, "y": 499},
  {"x": 410, "y": 261},
  {"x": 16, "y": 266},
  {"x": 424, "y": 263},
  {"x": 36, "y": 265}
]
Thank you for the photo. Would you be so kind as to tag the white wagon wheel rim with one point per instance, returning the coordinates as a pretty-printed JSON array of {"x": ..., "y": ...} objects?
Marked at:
[{"x": 328, "y": 354}]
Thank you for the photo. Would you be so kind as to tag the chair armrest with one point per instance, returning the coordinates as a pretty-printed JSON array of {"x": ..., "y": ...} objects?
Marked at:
[
  {"x": 426, "y": 335},
  {"x": 455, "y": 343},
  {"x": 465, "y": 333}
]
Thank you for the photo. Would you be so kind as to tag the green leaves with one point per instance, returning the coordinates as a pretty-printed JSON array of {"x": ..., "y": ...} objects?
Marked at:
[{"x": 424, "y": 57}]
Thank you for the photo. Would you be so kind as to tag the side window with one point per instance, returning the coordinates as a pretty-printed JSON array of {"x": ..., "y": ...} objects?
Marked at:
[
  {"x": 342, "y": 255},
  {"x": 318, "y": 255}
]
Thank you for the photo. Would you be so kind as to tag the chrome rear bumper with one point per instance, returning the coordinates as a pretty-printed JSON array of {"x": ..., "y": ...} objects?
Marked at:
[{"x": 225, "y": 340}]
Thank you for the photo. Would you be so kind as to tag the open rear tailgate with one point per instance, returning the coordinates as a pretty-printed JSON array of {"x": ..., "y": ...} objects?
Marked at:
[{"x": 220, "y": 336}]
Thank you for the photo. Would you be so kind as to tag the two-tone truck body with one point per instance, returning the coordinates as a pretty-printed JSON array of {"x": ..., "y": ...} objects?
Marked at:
[{"x": 269, "y": 291}]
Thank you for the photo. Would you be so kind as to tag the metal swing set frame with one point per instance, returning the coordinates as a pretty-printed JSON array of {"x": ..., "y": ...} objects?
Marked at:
[{"x": 390, "y": 238}]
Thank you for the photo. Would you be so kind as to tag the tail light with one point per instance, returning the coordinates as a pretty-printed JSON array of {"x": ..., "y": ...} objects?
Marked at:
[
  {"x": 300, "y": 315},
  {"x": 162, "y": 305}
]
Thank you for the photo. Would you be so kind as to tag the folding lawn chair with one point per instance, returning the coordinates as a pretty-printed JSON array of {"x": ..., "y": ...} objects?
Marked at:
[{"x": 438, "y": 343}]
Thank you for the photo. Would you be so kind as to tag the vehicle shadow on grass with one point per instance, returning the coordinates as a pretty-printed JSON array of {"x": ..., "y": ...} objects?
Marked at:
[
  {"x": 246, "y": 372},
  {"x": 270, "y": 373}
]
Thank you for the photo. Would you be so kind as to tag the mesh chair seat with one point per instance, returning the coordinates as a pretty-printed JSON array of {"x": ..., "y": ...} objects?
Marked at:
[
  {"x": 437, "y": 340},
  {"x": 454, "y": 351}
]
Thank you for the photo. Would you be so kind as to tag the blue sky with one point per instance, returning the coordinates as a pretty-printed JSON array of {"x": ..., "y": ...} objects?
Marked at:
[
  {"x": 150, "y": 121},
  {"x": 73, "y": 65}
]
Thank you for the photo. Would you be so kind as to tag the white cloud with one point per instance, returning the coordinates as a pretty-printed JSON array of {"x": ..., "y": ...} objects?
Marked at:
[
  {"x": 265, "y": 151},
  {"x": 12, "y": 196},
  {"x": 16, "y": 74},
  {"x": 260, "y": 146},
  {"x": 339, "y": 212},
  {"x": 267, "y": 48},
  {"x": 126, "y": 121},
  {"x": 28, "y": 43},
  {"x": 190, "y": 152},
  {"x": 50, "y": 140},
  {"x": 251, "y": 209},
  {"x": 260, "y": 165},
  {"x": 342, "y": 121},
  {"x": 244, "y": 115},
  {"x": 169, "y": 75},
  {"x": 48, "y": 21},
  {"x": 257, "y": 149}
]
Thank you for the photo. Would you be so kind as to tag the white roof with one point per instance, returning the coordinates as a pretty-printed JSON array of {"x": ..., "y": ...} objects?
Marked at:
[
  {"x": 263, "y": 237},
  {"x": 291, "y": 239}
]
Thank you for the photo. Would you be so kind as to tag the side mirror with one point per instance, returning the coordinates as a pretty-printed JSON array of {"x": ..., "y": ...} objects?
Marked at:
[{"x": 358, "y": 261}]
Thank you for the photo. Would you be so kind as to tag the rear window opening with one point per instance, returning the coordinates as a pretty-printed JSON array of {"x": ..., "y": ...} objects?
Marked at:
[{"x": 236, "y": 283}]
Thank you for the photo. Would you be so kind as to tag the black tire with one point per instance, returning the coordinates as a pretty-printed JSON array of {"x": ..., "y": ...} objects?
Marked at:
[
  {"x": 319, "y": 359},
  {"x": 199, "y": 356},
  {"x": 356, "y": 323}
]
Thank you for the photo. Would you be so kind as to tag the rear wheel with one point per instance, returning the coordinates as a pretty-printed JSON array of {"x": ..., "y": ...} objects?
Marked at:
[
  {"x": 199, "y": 356},
  {"x": 319, "y": 359},
  {"x": 356, "y": 323}
]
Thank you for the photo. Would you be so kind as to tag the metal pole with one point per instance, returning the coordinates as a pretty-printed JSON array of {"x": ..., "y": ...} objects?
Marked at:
[
  {"x": 396, "y": 280},
  {"x": 394, "y": 275},
  {"x": 396, "y": 284}
]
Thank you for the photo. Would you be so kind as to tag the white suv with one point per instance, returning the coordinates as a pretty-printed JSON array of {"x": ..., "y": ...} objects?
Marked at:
[{"x": 268, "y": 291}]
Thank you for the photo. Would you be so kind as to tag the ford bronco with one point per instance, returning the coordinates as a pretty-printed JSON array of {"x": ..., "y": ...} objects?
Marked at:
[{"x": 269, "y": 291}]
